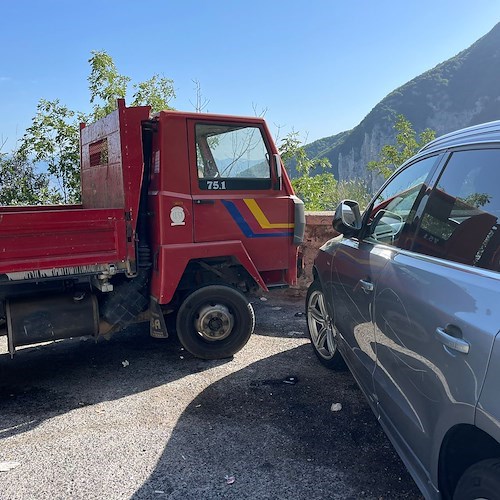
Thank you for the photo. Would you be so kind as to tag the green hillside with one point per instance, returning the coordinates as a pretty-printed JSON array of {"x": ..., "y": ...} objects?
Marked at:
[{"x": 459, "y": 92}]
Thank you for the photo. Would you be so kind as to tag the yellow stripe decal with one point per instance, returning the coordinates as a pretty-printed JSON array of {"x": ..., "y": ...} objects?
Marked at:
[{"x": 261, "y": 218}]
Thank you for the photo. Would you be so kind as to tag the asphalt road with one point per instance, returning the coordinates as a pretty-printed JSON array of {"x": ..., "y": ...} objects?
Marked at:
[{"x": 139, "y": 418}]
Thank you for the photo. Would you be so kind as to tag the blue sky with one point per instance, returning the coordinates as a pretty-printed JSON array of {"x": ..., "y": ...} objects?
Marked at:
[{"x": 317, "y": 66}]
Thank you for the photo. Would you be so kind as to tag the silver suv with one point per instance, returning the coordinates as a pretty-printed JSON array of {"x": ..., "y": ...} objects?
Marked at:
[{"x": 408, "y": 296}]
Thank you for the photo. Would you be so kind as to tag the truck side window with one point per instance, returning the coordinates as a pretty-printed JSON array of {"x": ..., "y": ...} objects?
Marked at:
[
  {"x": 231, "y": 157},
  {"x": 394, "y": 209},
  {"x": 461, "y": 219}
]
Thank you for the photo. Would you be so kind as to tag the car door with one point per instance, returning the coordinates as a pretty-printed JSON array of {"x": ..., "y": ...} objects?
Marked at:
[
  {"x": 358, "y": 263},
  {"x": 436, "y": 311}
]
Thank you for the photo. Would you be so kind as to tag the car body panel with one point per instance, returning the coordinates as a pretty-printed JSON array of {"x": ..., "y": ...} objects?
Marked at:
[
  {"x": 423, "y": 386},
  {"x": 414, "y": 293},
  {"x": 355, "y": 268},
  {"x": 488, "y": 408}
]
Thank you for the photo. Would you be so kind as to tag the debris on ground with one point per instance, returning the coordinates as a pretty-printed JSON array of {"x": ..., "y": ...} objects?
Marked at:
[
  {"x": 125, "y": 363},
  {"x": 277, "y": 308},
  {"x": 7, "y": 466},
  {"x": 336, "y": 407},
  {"x": 299, "y": 314},
  {"x": 290, "y": 380},
  {"x": 230, "y": 479},
  {"x": 263, "y": 299}
]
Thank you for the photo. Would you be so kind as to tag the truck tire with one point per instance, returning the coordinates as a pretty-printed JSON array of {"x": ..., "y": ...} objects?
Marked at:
[
  {"x": 215, "y": 322},
  {"x": 481, "y": 480}
]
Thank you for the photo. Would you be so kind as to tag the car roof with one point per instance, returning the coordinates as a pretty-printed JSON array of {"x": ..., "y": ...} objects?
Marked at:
[{"x": 477, "y": 134}]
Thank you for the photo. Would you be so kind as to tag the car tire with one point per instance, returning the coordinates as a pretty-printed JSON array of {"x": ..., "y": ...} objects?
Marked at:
[
  {"x": 320, "y": 328},
  {"x": 215, "y": 322},
  {"x": 481, "y": 480}
]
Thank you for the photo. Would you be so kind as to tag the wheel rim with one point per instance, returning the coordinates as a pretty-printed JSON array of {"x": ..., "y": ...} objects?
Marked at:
[
  {"x": 320, "y": 326},
  {"x": 214, "y": 322}
]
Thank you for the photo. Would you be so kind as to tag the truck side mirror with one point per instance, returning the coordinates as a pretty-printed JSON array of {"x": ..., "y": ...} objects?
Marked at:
[
  {"x": 347, "y": 218},
  {"x": 279, "y": 172}
]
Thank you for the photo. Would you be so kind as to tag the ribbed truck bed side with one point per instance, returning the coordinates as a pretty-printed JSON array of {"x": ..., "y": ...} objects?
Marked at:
[{"x": 44, "y": 239}]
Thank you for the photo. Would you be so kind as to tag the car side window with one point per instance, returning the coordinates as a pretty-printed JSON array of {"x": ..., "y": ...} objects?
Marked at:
[
  {"x": 394, "y": 209},
  {"x": 461, "y": 219}
]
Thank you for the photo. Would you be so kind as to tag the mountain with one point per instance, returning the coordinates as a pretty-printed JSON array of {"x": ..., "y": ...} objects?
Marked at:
[{"x": 462, "y": 91}]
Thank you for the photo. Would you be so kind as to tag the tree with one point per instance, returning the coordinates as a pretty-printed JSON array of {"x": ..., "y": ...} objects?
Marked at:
[
  {"x": 354, "y": 189},
  {"x": 106, "y": 85},
  {"x": 321, "y": 191},
  {"x": 313, "y": 190},
  {"x": 20, "y": 184},
  {"x": 156, "y": 92},
  {"x": 407, "y": 144},
  {"x": 53, "y": 137},
  {"x": 201, "y": 102}
]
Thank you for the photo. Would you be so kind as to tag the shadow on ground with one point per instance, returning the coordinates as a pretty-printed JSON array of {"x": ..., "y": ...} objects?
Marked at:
[
  {"x": 279, "y": 439},
  {"x": 43, "y": 382}
]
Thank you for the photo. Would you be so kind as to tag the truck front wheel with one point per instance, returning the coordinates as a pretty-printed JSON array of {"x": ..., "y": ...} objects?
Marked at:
[{"x": 215, "y": 322}]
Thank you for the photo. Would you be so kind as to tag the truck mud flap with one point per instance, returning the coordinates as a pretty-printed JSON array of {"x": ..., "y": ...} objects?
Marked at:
[{"x": 157, "y": 325}]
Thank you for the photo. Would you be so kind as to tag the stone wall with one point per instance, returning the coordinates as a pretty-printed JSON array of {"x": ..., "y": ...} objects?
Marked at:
[{"x": 318, "y": 230}]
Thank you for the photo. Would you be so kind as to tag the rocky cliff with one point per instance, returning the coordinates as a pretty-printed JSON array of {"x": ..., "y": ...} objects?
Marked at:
[{"x": 462, "y": 91}]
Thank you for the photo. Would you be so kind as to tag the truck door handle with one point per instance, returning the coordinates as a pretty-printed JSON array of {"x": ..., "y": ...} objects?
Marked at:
[
  {"x": 452, "y": 341},
  {"x": 204, "y": 202},
  {"x": 367, "y": 286}
]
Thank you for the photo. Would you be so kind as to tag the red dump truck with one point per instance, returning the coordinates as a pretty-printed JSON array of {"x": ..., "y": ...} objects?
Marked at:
[{"x": 182, "y": 216}]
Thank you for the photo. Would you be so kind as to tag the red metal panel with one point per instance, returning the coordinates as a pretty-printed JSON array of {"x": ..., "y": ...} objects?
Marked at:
[
  {"x": 173, "y": 259},
  {"x": 102, "y": 182},
  {"x": 115, "y": 181},
  {"x": 132, "y": 154},
  {"x": 35, "y": 240}
]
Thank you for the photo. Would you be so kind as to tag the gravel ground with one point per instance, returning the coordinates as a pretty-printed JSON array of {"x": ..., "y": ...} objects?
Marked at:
[{"x": 139, "y": 418}]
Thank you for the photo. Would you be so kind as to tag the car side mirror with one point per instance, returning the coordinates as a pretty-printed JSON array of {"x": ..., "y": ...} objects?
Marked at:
[{"x": 347, "y": 218}]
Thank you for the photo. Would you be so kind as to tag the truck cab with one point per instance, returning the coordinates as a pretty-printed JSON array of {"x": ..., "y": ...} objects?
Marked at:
[{"x": 183, "y": 215}]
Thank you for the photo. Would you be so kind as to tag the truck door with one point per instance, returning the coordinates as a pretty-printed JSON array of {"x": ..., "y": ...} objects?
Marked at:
[{"x": 236, "y": 193}]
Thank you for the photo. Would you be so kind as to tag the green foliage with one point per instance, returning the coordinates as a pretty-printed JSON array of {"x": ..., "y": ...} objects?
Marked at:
[
  {"x": 315, "y": 191},
  {"x": 53, "y": 138},
  {"x": 106, "y": 85},
  {"x": 156, "y": 92},
  {"x": 478, "y": 200},
  {"x": 21, "y": 184},
  {"x": 321, "y": 191},
  {"x": 407, "y": 144},
  {"x": 312, "y": 190},
  {"x": 354, "y": 189},
  {"x": 292, "y": 149}
]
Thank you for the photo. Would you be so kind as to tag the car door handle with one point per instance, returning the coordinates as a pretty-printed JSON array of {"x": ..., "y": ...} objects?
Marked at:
[
  {"x": 367, "y": 286},
  {"x": 451, "y": 341},
  {"x": 204, "y": 202}
]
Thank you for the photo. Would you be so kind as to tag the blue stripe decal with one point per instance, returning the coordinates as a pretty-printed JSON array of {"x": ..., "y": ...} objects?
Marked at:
[{"x": 243, "y": 225}]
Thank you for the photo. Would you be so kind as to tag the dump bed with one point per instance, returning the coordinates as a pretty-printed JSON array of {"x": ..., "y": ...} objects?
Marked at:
[{"x": 63, "y": 240}]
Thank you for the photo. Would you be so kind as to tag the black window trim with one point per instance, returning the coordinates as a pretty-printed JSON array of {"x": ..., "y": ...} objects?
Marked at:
[
  {"x": 433, "y": 184},
  {"x": 253, "y": 184},
  {"x": 431, "y": 179}
]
